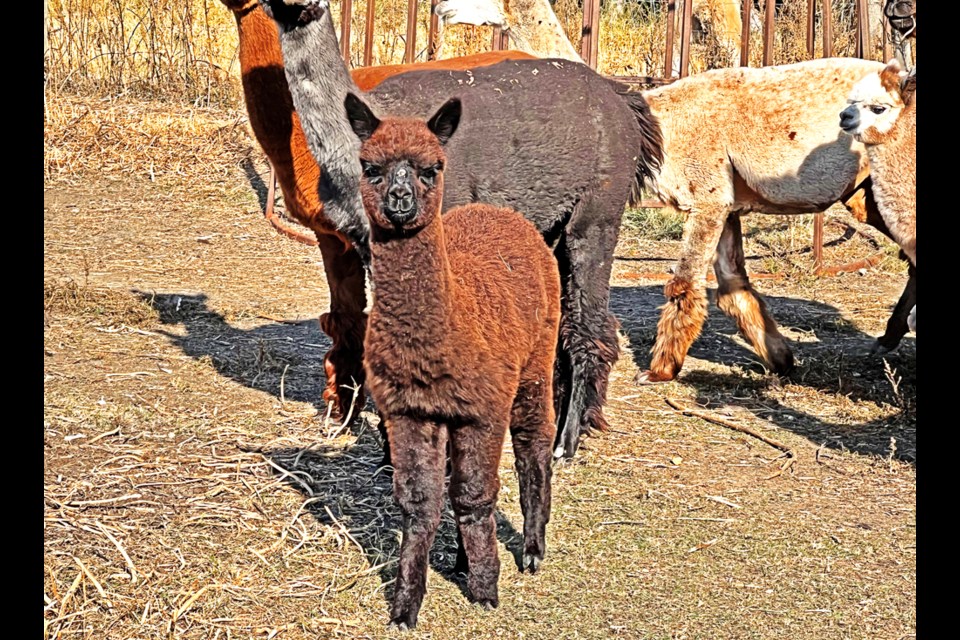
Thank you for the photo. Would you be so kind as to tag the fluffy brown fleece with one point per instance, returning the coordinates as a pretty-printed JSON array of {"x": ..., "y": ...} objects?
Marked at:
[
  {"x": 277, "y": 129},
  {"x": 460, "y": 346}
]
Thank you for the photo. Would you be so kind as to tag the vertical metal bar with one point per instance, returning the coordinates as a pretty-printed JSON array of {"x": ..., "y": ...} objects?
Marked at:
[
  {"x": 346, "y": 14},
  {"x": 686, "y": 32},
  {"x": 368, "y": 34},
  {"x": 769, "y": 8},
  {"x": 671, "y": 22},
  {"x": 590, "y": 45},
  {"x": 410, "y": 48},
  {"x": 745, "y": 34},
  {"x": 496, "y": 39},
  {"x": 863, "y": 30},
  {"x": 504, "y": 39},
  {"x": 433, "y": 37},
  {"x": 811, "y": 9},
  {"x": 827, "y": 19}
]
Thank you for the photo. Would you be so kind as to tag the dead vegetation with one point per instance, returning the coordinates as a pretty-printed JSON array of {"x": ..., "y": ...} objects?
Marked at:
[{"x": 193, "y": 487}]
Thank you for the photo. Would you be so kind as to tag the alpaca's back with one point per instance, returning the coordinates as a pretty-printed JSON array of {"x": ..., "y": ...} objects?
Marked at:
[{"x": 509, "y": 279}]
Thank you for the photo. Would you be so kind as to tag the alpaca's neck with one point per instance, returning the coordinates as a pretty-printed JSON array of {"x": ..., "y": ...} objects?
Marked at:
[
  {"x": 414, "y": 289},
  {"x": 535, "y": 29},
  {"x": 270, "y": 108},
  {"x": 319, "y": 81}
]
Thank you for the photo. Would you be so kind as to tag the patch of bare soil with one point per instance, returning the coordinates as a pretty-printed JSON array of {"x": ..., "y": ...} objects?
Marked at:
[{"x": 193, "y": 487}]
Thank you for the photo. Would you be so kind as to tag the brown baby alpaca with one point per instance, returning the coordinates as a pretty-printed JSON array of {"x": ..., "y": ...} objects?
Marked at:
[{"x": 460, "y": 345}]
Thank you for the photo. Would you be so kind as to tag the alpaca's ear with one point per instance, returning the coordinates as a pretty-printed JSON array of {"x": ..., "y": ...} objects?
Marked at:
[
  {"x": 908, "y": 86},
  {"x": 444, "y": 122},
  {"x": 891, "y": 75},
  {"x": 361, "y": 118}
]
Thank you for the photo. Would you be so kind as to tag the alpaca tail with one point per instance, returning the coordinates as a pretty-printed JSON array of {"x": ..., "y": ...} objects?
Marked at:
[{"x": 650, "y": 153}]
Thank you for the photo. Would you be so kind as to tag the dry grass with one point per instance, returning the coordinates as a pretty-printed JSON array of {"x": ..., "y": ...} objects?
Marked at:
[
  {"x": 187, "y": 51},
  {"x": 187, "y": 496}
]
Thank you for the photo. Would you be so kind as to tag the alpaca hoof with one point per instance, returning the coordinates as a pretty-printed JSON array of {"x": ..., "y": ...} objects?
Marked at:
[
  {"x": 402, "y": 626},
  {"x": 650, "y": 377},
  {"x": 567, "y": 443},
  {"x": 532, "y": 562},
  {"x": 880, "y": 349},
  {"x": 488, "y": 604}
]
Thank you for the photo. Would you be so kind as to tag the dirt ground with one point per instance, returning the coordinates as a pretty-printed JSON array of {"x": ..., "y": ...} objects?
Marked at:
[{"x": 193, "y": 487}]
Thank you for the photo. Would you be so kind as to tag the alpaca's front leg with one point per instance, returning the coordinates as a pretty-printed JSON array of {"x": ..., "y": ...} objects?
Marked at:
[
  {"x": 419, "y": 451},
  {"x": 345, "y": 323}
]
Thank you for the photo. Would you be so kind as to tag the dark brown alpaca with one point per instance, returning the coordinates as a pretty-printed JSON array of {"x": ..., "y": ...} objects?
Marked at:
[{"x": 460, "y": 345}]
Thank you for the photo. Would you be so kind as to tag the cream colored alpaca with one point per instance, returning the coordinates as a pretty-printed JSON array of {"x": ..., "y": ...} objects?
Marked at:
[
  {"x": 738, "y": 140},
  {"x": 883, "y": 116},
  {"x": 533, "y": 27}
]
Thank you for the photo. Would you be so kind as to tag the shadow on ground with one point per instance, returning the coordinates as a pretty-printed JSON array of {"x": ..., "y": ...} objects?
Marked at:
[
  {"x": 833, "y": 358},
  {"x": 345, "y": 485}
]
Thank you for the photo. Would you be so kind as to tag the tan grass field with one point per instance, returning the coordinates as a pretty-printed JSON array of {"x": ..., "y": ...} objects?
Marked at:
[{"x": 193, "y": 487}]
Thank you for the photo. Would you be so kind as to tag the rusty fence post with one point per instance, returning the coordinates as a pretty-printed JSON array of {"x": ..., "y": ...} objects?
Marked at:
[
  {"x": 671, "y": 26},
  {"x": 590, "y": 44},
  {"x": 346, "y": 14},
  {"x": 769, "y": 6},
  {"x": 686, "y": 30},
  {"x": 864, "y": 46},
  {"x": 368, "y": 34},
  {"x": 745, "y": 34},
  {"x": 410, "y": 46}
]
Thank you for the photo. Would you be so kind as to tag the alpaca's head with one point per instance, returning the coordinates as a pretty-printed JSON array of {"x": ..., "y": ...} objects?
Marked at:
[
  {"x": 876, "y": 102},
  {"x": 902, "y": 15},
  {"x": 403, "y": 163}
]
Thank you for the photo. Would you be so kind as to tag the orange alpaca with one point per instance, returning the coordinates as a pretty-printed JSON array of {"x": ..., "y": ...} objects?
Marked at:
[{"x": 277, "y": 129}]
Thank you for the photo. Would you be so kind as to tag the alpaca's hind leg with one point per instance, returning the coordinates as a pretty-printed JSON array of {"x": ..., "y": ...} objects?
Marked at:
[
  {"x": 682, "y": 317},
  {"x": 346, "y": 324},
  {"x": 532, "y": 430},
  {"x": 737, "y": 299},
  {"x": 419, "y": 453},
  {"x": 474, "y": 486},
  {"x": 588, "y": 331}
]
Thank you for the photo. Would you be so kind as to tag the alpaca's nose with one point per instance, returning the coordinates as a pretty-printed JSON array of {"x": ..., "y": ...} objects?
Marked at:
[
  {"x": 400, "y": 197},
  {"x": 848, "y": 119}
]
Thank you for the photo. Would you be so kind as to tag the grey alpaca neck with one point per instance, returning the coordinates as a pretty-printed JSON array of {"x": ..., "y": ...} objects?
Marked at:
[{"x": 319, "y": 82}]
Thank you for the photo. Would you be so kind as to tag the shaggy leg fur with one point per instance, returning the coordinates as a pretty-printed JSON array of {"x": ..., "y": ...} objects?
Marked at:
[
  {"x": 474, "y": 486},
  {"x": 737, "y": 299},
  {"x": 682, "y": 317},
  {"x": 588, "y": 331},
  {"x": 532, "y": 430},
  {"x": 419, "y": 449},
  {"x": 345, "y": 323}
]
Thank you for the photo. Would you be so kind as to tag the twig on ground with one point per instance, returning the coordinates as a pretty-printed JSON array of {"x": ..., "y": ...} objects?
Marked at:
[
  {"x": 709, "y": 417},
  {"x": 123, "y": 552}
]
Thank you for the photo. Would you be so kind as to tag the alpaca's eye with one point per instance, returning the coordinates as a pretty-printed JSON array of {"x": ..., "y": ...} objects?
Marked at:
[
  {"x": 373, "y": 172},
  {"x": 429, "y": 175},
  {"x": 878, "y": 109}
]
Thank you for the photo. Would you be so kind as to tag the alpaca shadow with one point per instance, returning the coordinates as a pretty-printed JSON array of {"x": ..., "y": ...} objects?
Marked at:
[
  {"x": 832, "y": 358},
  {"x": 350, "y": 494},
  {"x": 260, "y": 358},
  {"x": 345, "y": 482},
  {"x": 259, "y": 187}
]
